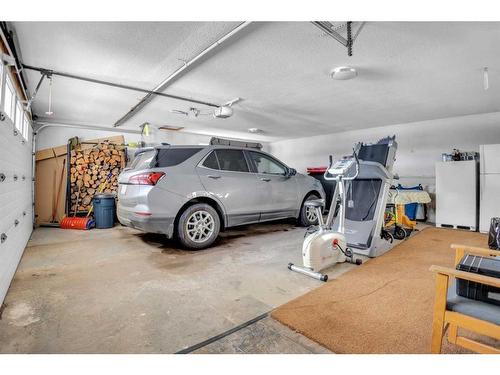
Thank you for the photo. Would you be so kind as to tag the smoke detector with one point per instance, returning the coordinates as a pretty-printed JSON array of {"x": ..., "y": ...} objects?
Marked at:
[
  {"x": 343, "y": 73},
  {"x": 255, "y": 131}
]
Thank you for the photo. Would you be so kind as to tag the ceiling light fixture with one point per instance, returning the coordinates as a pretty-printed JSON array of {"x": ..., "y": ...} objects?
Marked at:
[
  {"x": 255, "y": 131},
  {"x": 145, "y": 129},
  {"x": 342, "y": 73}
]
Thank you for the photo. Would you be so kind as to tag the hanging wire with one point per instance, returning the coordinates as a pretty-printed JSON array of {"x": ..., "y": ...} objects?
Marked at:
[{"x": 49, "y": 112}]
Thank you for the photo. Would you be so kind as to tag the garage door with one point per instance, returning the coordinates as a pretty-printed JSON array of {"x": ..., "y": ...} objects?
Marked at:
[{"x": 15, "y": 180}]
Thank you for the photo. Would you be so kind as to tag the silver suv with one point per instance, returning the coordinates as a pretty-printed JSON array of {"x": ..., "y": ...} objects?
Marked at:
[{"x": 194, "y": 192}]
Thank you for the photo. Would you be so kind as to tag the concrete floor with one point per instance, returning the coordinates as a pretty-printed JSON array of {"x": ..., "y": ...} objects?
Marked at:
[
  {"x": 267, "y": 336},
  {"x": 122, "y": 291}
]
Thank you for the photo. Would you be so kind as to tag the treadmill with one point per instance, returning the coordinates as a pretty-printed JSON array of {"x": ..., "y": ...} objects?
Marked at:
[{"x": 367, "y": 197}]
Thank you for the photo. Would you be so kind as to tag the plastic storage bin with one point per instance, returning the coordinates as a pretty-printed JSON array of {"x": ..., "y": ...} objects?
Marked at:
[
  {"x": 477, "y": 291},
  {"x": 411, "y": 208},
  {"x": 104, "y": 210}
]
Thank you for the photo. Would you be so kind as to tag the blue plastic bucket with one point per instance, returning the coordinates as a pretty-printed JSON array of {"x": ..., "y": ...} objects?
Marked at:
[
  {"x": 411, "y": 210},
  {"x": 104, "y": 210}
]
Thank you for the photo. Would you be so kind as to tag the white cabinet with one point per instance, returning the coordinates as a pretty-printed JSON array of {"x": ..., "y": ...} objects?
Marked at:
[{"x": 456, "y": 194}]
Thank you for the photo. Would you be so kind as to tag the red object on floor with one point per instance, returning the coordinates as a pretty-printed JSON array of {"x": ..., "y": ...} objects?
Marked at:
[{"x": 83, "y": 223}]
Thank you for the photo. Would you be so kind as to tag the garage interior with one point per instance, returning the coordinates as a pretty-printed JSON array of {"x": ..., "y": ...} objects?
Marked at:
[{"x": 81, "y": 101}]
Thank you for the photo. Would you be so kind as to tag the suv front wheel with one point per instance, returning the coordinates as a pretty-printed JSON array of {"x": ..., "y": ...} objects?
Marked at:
[
  {"x": 198, "y": 226},
  {"x": 308, "y": 215}
]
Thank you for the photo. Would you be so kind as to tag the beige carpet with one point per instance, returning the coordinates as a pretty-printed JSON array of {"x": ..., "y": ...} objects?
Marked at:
[{"x": 382, "y": 306}]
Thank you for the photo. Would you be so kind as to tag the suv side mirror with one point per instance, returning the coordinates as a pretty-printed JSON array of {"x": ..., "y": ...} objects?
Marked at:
[{"x": 291, "y": 172}]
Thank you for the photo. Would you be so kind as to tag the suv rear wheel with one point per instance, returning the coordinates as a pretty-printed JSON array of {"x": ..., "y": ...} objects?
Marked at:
[
  {"x": 308, "y": 215},
  {"x": 198, "y": 226}
]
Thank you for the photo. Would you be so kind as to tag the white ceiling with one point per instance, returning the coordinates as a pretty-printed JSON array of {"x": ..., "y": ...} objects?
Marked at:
[{"x": 408, "y": 71}]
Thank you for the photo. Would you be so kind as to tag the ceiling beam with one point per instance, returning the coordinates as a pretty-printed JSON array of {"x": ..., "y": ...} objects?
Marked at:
[
  {"x": 39, "y": 125},
  {"x": 167, "y": 81},
  {"x": 325, "y": 27},
  {"x": 49, "y": 72},
  {"x": 329, "y": 29}
]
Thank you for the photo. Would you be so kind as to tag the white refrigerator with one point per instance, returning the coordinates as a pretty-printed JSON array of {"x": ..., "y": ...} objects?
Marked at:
[
  {"x": 456, "y": 194},
  {"x": 489, "y": 185}
]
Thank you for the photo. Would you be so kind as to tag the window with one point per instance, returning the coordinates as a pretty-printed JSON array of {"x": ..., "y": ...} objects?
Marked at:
[
  {"x": 169, "y": 157},
  {"x": 143, "y": 160},
  {"x": 19, "y": 118},
  {"x": 211, "y": 161},
  {"x": 232, "y": 160},
  {"x": 13, "y": 106},
  {"x": 265, "y": 164},
  {"x": 9, "y": 98},
  {"x": 26, "y": 127}
]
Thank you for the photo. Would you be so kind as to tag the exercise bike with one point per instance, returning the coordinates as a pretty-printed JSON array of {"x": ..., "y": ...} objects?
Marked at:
[{"x": 324, "y": 246}]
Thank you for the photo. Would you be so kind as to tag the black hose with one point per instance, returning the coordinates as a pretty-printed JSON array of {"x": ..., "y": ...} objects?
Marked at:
[{"x": 342, "y": 250}]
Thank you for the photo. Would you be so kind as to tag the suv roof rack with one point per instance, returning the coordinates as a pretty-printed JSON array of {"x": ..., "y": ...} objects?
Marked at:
[{"x": 229, "y": 142}]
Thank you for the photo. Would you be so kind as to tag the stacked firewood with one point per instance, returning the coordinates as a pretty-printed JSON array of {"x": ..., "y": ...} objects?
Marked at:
[{"x": 94, "y": 169}]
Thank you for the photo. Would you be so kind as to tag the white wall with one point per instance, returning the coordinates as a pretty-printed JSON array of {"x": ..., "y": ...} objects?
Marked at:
[
  {"x": 15, "y": 198},
  {"x": 420, "y": 145},
  {"x": 57, "y": 136}
]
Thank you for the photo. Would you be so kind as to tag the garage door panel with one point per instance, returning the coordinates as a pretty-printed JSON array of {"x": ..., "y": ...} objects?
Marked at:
[
  {"x": 15, "y": 201},
  {"x": 17, "y": 239}
]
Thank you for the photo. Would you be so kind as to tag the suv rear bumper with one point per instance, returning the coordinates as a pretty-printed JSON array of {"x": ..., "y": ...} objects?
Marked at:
[{"x": 150, "y": 224}]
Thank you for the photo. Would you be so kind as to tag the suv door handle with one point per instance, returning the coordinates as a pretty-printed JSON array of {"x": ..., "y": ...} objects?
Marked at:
[
  {"x": 266, "y": 179},
  {"x": 214, "y": 177}
]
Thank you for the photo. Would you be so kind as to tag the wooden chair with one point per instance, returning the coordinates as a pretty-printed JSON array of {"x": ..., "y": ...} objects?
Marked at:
[{"x": 452, "y": 311}]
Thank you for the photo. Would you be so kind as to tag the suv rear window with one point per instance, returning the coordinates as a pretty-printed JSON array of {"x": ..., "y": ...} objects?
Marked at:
[
  {"x": 169, "y": 157},
  {"x": 143, "y": 160},
  {"x": 211, "y": 161}
]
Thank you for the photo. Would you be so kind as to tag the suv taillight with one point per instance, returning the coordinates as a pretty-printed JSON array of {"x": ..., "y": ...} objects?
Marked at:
[{"x": 150, "y": 178}]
